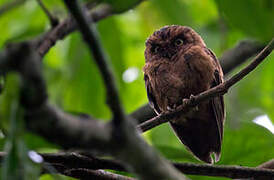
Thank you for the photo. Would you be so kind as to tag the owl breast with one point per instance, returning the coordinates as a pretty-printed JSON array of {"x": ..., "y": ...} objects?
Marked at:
[{"x": 173, "y": 81}]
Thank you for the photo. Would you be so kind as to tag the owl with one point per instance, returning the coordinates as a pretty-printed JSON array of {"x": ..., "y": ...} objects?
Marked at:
[{"x": 178, "y": 64}]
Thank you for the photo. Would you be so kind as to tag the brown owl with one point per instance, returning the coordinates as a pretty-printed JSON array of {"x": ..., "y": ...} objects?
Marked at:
[{"x": 178, "y": 65}]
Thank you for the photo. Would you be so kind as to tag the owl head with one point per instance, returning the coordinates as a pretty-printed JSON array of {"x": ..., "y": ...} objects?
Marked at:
[{"x": 170, "y": 42}]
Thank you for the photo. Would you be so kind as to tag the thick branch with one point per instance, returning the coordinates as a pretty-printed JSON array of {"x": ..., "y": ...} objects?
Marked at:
[
  {"x": 42, "y": 118},
  {"x": 186, "y": 168},
  {"x": 76, "y": 160},
  {"x": 216, "y": 91},
  {"x": 70, "y": 162}
]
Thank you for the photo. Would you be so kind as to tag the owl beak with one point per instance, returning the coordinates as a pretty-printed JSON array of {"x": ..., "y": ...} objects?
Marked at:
[{"x": 168, "y": 54}]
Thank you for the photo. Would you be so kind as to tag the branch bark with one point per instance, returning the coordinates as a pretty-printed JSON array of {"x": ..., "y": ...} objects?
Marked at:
[
  {"x": 41, "y": 117},
  {"x": 82, "y": 173},
  {"x": 86, "y": 165}
]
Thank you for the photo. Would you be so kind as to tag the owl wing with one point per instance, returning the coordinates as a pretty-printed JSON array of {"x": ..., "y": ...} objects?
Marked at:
[
  {"x": 150, "y": 96},
  {"x": 218, "y": 102},
  {"x": 203, "y": 135}
]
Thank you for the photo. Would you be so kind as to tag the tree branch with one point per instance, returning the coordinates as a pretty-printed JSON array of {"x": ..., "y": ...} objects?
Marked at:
[
  {"x": 41, "y": 117},
  {"x": 82, "y": 173},
  {"x": 223, "y": 171},
  {"x": 91, "y": 37},
  {"x": 143, "y": 114},
  {"x": 216, "y": 91},
  {"x": 70, "y": 162},
  {"x": 53, "y": 20},
  {"x": 77, "y": 166},
  {"x": 64, "y": 28},
  {"x": 239, "y": 54}
]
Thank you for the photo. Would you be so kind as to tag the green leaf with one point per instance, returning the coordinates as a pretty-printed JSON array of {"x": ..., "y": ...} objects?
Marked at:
[
  {"x": 253, "y": 17},
  {"x": 249, "y": 145}
]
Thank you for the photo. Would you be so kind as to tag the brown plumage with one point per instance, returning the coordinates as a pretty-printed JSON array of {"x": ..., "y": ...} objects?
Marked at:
[{"x": 178, "y": 65}]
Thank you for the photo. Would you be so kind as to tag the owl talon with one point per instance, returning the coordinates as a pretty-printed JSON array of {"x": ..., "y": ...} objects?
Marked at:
[
  {"x": 174, "y": 106},
  {"x": 184, "y": 102},
  {"x": 192, "y": 98},
  {"x": 170, "y": 109}
]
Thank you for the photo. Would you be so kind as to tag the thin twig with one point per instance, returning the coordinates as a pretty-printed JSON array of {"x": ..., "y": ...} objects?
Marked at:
[
  {"x": 237, "y": 55},
  {"x": 49, "y": 39},
  {"x": 10, "y": 5},
  {"x": 53, "y": 20},
  {"x": 217, "y": 90},
  {"x": 67, "y": 26}
]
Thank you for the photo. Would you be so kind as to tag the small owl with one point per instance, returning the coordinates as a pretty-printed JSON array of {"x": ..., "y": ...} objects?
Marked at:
[{"x": 178, "y": 65}]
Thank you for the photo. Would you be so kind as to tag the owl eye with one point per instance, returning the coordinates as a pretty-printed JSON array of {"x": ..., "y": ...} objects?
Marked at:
[
  {"x": 179, "y": 42},
  {"x": 155, "y": 49}
]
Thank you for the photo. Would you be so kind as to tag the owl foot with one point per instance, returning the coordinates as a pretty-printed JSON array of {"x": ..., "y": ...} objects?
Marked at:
[
  {"x": 171, "y": 109},
  {"x": 192, "y": 98},
  {"x": 186, "y": 102}
]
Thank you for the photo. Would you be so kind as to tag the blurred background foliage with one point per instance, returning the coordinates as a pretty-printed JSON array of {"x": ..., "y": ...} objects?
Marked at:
[{"x": 74, "y": 82}]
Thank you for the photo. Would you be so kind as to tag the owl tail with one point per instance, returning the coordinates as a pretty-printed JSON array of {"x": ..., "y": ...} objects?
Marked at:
[{"x": 201, "y": 137}]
